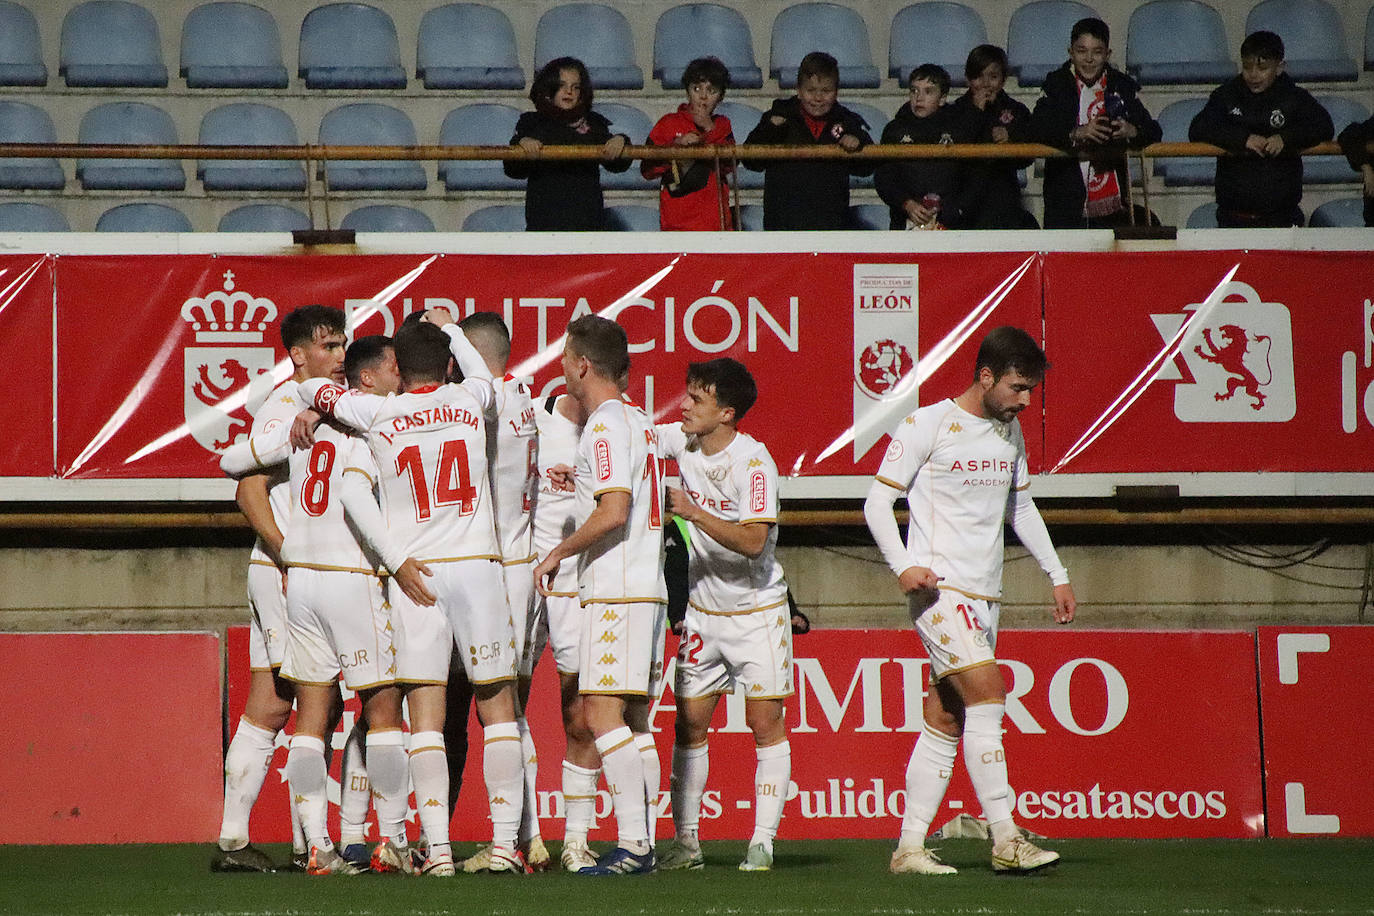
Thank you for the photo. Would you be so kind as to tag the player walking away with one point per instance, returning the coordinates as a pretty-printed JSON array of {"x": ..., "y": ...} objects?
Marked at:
[
  {"x": 313, "y": 336},
  {"x": 961, "y": 463},
  {"x": 513, "y": 467},
  {"x": 337, "y": 616},
  {"x": 556, "y": 620},
  {"x": 430, "y": 446},
  {"x": 737, "y": 626},
  {"x": 619, "y": 548}
]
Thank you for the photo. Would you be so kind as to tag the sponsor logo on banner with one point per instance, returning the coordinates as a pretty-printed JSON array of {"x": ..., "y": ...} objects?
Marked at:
[
  {"x": 886, "y": 321},
  {"x": 1353, "y": 403},
  {"x": 224, "y": 384},
  {"x": 1239, "y": 360}
]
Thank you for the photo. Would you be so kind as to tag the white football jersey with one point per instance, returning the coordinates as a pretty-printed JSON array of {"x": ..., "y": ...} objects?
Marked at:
[
  {"x": 555, "y": 511},
  {"x": 512, "y": 459},
  {"x": 959, "y": 472},
  {"x": 618, "y": 451},
  {"x": 738, "y": 484},
  {"x": 279, "y": 409}
]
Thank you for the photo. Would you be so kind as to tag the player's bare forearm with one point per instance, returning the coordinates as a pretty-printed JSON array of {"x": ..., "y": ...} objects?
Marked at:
[
  {"x": 612, "y": 511},
  {"x": 251, "y": 496},
  {"x": 746, "y": 539}
]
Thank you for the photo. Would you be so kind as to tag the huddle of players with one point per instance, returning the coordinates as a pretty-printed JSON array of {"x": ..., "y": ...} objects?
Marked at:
[{"x": 419, "y": 516}]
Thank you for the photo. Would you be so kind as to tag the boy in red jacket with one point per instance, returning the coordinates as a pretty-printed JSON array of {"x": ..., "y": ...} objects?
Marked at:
[{"x": 694, "y": 196}]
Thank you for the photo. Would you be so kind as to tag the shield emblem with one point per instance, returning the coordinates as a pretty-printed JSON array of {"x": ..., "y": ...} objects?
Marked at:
[{"x": 223, "y": 385}]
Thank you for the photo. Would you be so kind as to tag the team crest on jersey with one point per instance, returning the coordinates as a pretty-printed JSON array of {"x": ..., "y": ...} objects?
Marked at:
[{"x": 226, "y": 381}]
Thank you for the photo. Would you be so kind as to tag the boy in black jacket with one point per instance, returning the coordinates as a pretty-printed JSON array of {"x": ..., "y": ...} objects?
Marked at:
[
  {"x": 810, "y": 193},
  {"x": 1354, "y": 141},
  {"x": 992, "y": 116},
  {"x": 927, "y": 193},
  {"x": 1089, "y": 106},
  {"x": 1265, "y": 120}
]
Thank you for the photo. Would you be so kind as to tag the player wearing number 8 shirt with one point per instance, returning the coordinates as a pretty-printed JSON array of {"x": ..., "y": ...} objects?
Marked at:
[
  {"x": 737, "y": 627},
  {"x": 961, "y": 463},
  {"x": 430, "y": 446}
]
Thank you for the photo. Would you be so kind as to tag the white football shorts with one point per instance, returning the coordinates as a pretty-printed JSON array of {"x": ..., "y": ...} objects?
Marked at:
[
  {"x": 338, "y": 622},
  {"x": 520, "y": 595},
  {"x": 471, "y": 618},
  {"x": 718, "y": 651},
  {"x": 267, "y": 626},
  {"x": 958, "y": 632},
  {"x": 622, "y": 648}
]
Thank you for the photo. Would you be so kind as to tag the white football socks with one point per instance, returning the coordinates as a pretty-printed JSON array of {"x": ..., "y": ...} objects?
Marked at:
[
  {"x": 653, "y": 779},
  {"x": 429, "y": 775},
  {"x": 245, "y": 768},
  {"x": 504, "y": 771},
  {"x": 353, "y": 788},
  {"x": 388, "y": 775},
  {"x": 987, "y": 766},
  {"x": 772, "y": 774},
  {"x": 579, "y": 801},
  {"x": 687, "y": 784},
  {"x": 624, "y": 769},
  {"x": 928, "y": 772},
  {"x": 309, "y": 778},
  {"x": 529, "y": 817}
]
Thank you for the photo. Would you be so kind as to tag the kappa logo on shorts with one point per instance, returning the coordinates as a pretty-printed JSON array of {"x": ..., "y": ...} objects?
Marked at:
[
  {"x": 608, "y": 637},
  {"x": 610, "y": 615},
  {"x": 944, "y": 639},
  {"x": 608, "y": 659},
  {"x": 937, "y": 618},
  {"x": 606, "y": 681}
]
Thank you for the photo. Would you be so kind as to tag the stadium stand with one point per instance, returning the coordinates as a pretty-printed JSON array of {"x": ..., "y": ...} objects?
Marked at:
[
  {"x": 250, "y": 60},
  {"x": 625, "y": 119},
  {"x": 387, "y": 218},
  {"x": 370, "y": 124},
  {"x": 480, "y": 124},
  {"x": 467, "y": 46},
  {"x": 21, "y": 122},
  {"x": 25, "y": 216},
  {"x": 264, "y": 218},
  {"x": 837, "y": 30},
  {"x": 1191, "y": 170},
  {"x": 743, "y": 118},
  {"x": 1313, "y": 38},
  {"x": 129, "y": 123},
  {"x": 938, "y": 32},
  {"x": 249, "y": 124},
  {"x": 111, "y": 43},
  {"x": 632, "y": 218},
  {"x": 597, "y": 35},
  {"x": 143, "y": 217},
  {"x": 877, "y": 119},
  {"x": 21, "y": 50},
  {"x": 1038, "y": 37},
  {"x": 498, "y": 218},
  {"x": 1335, "y": 169},
  {"x": 1177, "y": 41},
  {"x": 1203, "y": 217},
  {"x": 751, "y": 217},
  {"x": 350, "y": 46},
  {"x": 1343, "y": 213},
  {"x": 694, "y": 30}
]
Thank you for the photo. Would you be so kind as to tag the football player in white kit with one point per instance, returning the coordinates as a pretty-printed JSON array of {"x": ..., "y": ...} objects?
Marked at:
[
  {"x": 961, "y": 464},
  {"x": 737, "y": 629},
  {"x": 430, "y": 447},
  {"x": 337, "y": 615},
  {"x": 313, "y": 336},
  {"x": 619, "y": 548}
]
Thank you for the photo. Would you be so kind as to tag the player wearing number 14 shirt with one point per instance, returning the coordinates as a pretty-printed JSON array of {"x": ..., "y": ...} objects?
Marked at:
[
  {"x": 430, "y": 445},
  {"x": 961, "y": 464}
]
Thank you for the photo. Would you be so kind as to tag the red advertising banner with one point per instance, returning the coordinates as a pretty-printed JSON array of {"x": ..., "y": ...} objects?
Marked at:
[
  {"x": 1209, "y": 361},
  {"x": 1317, "y": 712},
  {"x": 26, "y": 303},
  {"x": 1081, "y": 705},
  {"x": 89, "y": 719},
  {"x": 197, "y": 338}
]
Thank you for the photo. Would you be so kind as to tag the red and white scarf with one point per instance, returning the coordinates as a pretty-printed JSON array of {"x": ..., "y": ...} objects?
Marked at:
[{"x": 1099, "y": 178}]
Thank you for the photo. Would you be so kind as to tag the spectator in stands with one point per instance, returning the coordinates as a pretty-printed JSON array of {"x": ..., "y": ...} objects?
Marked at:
[
  {"x": 564, "y": 195},
  {"x": 1265, "y": 121},
  {"x": 810, "y": 193},
  {"x": 927, "y": 193},
  {"x": 1354, "y": 141},
  {"x": 1089, "y": 107},
  {"x": 693, "y": 195},
  {"x": 993, "y": 116}
]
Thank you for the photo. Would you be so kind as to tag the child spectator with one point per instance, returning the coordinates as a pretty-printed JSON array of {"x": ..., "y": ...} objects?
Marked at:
[
  {"x": 1089, "y": 106},
  {"x": 810, "y": 193},
  {"x": 993, "y": 116},
  {"x": 564, "y": 195},
  {"x": 1354, "y": 140},
  {"x": 1265, "y": 120},
  {"x": 693, "y": 195},
  {"x": 926, "y": 193}
]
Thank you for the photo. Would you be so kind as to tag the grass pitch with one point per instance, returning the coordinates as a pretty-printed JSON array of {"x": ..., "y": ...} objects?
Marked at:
[{"x": 1097, "y": 876}]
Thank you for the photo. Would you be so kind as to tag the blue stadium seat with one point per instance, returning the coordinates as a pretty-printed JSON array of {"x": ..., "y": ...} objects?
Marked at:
[
  {"x": 1189, "y": 170},
  {"x": 21, "y": 50},
  {"x": 129, "y": 123},
  {"x": 249, "y": 124},
  {"x": 934, "y": 33},
  {"x": 1038, "y": 37},
  {"x": 837, "y": 30},
  {"x": 143, "y": 218},
  {"x": 21, "y": 122},
  {"x": 697, "y": 30},
  {"x": 31, "y": 217},
  {"x": 1203, "y": 217},
  {"x": 869, "y": 216},
  {"x": 751, "y": 217},
  {"x": 481, "y": 124},
  {"x": 499, "y": 218},
  {"x": 743, "y": 118},
  {"x": 387, "y": 218},
  {"x": 626, "y": 119},
  {"x": 1313, "y": 38},
  {"x": 251, "y": 60},
  {"x": 597, "y": 35},
  {"x": 111, "y": 43},
  {"x": 371, "y": 124},
  {"x": 1345, "y": 213},
  {"x": 1335, "y": 169},
  {"x": 467, "y": 46},
  {"x": 632, "y": 218},
  {"x": 876, "y": 119},
  {"x": 350, "y": 46},
  {"x": 264, "y": 218},
  {"x": 1177, "y": 41}
]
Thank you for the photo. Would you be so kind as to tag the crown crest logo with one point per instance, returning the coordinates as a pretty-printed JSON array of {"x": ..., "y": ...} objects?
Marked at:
[{"x": 217, "y": 318}]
